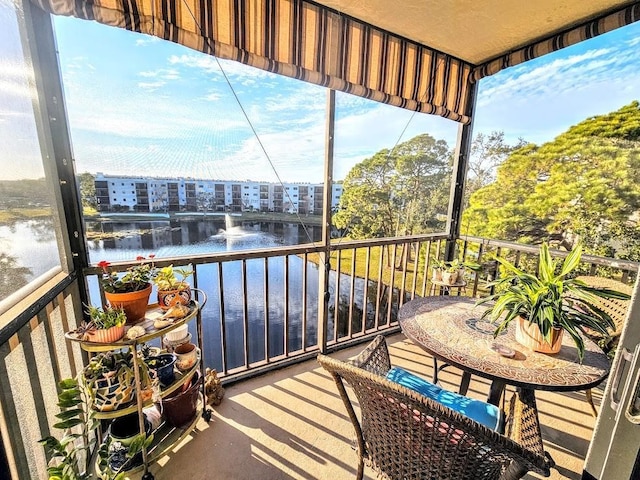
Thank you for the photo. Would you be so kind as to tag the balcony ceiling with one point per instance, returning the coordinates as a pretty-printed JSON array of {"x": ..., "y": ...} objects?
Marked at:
[{"x": 474, "y": 30}]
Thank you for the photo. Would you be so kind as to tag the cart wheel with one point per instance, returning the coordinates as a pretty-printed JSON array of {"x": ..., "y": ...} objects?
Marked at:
[
  {"x": 148, "y": 476},
  {"x": 206, "y": 414}
]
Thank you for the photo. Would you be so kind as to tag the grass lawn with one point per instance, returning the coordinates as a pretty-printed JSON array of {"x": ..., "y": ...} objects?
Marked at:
[
  {"x": 347, "y": 258},
  {"x": 15, "y": 214}
]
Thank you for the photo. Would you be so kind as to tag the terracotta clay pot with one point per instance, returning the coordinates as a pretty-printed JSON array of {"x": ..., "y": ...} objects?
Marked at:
[
  {"x": 134, "y": 304},
  {"x": 106, "y": 335},
  {"x": 169, "y": 298},
  {"x": 528, "y": 334}
]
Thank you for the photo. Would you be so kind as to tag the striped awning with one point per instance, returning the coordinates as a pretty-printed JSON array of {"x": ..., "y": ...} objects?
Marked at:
[
  {"x": 297, "y": 39},
  {"x": 593, "y": 28},
  {"x": 313, "y": 43}
]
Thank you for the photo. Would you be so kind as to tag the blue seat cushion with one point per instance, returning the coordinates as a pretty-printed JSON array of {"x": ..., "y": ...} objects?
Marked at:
[{"x": 482, "y": 412}]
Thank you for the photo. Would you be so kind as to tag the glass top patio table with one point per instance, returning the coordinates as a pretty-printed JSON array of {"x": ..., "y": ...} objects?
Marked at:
[{"x": 450, "y": 328}]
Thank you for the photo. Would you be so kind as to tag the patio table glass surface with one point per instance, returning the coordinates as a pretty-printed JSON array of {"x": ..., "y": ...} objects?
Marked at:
[{"x": 450, "y": 328}]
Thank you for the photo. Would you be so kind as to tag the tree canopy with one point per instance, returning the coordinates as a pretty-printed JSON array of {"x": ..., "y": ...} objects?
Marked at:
[
  {"x": 397, "y": 192},
  {"x": 583, "y": 184}
]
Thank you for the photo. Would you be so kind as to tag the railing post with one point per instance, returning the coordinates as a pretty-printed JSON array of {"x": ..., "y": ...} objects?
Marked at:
[
  {"x": 460, "y": 167},
  {"x": 325, "y": 255}
]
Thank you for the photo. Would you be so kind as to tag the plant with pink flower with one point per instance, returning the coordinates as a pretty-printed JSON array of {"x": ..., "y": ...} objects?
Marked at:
[{"x": 134, "y": 279}]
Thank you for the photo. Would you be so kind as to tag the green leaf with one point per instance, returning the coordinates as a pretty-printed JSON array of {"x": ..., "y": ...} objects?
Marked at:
[
  {"x": 72, "y": 422},
  {"x": 572, "y": 261},
  {"x": 69, "y": 403},
  {"x": 66, "y": 414},
  {"x": 67, "y": 383},
  {"x": 546, "y": 267}
]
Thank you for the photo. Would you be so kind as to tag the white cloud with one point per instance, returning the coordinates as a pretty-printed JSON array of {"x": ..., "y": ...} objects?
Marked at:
[
  {"x": 523, "y": 79},
  {"x": 212, "y": 97},
  {"x": 146, "y": 40},
  {"x": 540, "y": 100},
  {"x": 151, "y": 86},
  {"x": 163, "y": 73},
  {"x": 212, "y": 65},
  {"x": 633, "y": 42}
]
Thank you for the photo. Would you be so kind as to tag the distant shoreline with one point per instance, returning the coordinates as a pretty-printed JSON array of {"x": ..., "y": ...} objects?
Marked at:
[{"x": 213, "y": 216}]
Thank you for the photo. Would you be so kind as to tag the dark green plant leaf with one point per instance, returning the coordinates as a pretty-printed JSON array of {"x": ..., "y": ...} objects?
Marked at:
[
  {"x": 72, "y": 422},
  {"x": 66, "y": 414},
  {"x": 67, "y": 383}
]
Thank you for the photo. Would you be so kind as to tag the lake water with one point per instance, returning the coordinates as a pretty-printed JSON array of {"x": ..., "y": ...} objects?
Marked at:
[
  {"x": 125, "y": 240},
  {"x": 179, "y": 238}
]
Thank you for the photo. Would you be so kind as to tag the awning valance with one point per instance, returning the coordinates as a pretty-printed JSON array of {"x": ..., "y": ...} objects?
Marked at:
[
  {"x": 297, "y": 39},
  {"x": 593, "y": 28},
  {"x": 311, "y": 42}
]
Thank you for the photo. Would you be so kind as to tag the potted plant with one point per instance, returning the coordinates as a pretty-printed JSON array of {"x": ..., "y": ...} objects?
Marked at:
[
  {"x": 130, "y": 291},
  {"x": 438, "y": 267},
  {"x": 450, "y": 274},
  {"x": 161, "y": 367},
  {"x": 105, "y": 326},
  {"x": 70, "y": 459},
  {"x": 172, "y": 289},
  {"x": 108, "y": 380},
  {"x": 546, "y": 304}
]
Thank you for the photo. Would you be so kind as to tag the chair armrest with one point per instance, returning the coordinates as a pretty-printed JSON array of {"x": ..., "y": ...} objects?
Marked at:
[{"x": 374, "y": 358}]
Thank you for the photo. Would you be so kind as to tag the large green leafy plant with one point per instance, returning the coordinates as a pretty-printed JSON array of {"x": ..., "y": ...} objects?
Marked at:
[
  {"x": 549, "y": 299},
  {"x": 70, "y": 455}
]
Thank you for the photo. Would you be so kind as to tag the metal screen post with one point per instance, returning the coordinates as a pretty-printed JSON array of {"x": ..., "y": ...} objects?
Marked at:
[
  {"x": 460, "y": 167},
  {"x": 324, "y": 265}
]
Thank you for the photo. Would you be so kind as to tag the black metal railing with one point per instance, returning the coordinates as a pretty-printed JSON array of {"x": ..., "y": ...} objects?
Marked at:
[{"x": 263, "y": 313}]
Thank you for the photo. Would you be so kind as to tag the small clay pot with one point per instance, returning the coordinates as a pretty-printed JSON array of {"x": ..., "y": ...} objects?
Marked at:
[{"x": 187, "y": 355}]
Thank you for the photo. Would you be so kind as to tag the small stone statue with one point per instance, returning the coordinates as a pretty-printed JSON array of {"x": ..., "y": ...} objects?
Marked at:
[{"x": 213, "y": 387}]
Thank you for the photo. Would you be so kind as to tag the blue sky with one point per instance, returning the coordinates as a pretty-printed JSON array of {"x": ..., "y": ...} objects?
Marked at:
[{"x": 139, "y": 105}]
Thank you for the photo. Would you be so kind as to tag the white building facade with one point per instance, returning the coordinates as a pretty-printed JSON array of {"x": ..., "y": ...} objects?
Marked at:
[{"x": 145, "y": 194}]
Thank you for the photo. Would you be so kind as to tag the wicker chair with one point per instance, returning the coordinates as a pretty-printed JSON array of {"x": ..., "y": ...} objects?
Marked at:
[
  {"x": 403, "y": 435},
  {"x": 617, "y": 310}
]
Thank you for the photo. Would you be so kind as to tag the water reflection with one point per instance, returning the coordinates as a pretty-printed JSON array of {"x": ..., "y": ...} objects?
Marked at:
[
  {"x": 267, "y": 329},
  {"x": 28, "y": 248}
]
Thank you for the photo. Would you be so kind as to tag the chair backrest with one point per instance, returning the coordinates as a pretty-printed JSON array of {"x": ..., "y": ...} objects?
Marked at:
[
  {"x": 617, "y": 309},
  {"x": 405, "y": 435}
]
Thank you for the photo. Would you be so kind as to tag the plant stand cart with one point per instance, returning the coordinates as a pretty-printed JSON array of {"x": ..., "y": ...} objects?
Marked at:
[{"x": 165, "y": 436}]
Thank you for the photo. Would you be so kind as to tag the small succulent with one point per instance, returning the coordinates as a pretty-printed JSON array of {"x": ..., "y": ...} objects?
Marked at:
[{"x": 107, "y": 318}]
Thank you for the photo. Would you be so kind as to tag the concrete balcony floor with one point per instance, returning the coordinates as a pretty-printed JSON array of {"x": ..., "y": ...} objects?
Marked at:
[{"x": 291, "y": 424}]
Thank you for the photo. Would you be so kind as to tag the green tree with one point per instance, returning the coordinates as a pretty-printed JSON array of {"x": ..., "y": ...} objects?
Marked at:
[
  {"x": 397, "y": 192},
  {"x": 88, "y": 190},
  {"x": 488, "y": 151},
  {"x": 583, "y": 184}
]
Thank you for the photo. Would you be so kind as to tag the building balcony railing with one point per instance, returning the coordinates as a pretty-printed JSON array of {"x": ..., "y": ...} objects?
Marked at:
[{"x": 265, "y": 310}]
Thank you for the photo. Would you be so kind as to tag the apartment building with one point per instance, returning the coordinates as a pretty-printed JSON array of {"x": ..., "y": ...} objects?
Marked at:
[{"x": 146, "y": 194}]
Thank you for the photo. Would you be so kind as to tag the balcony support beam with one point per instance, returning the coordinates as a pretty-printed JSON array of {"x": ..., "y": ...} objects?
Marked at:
[
  {"x": 460, "y": 168},
  {"x": 325, "y": 254}
]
